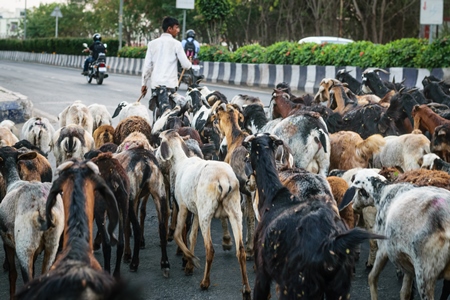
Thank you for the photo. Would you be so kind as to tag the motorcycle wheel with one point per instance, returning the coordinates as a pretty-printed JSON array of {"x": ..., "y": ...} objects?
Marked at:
[{"x": 100, "y": 78}]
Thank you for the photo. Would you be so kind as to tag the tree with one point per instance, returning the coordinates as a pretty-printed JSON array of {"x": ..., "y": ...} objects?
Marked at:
[{"x": 213, "y": 14}]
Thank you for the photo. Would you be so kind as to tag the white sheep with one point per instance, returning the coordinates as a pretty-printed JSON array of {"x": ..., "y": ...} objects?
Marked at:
[{"x": 39, "y": 132}]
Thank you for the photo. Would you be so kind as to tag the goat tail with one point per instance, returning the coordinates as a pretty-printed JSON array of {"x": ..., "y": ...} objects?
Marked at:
[
  {"x": 227, "y": 186},
  {"x": 370, "y": 145},
  {"x": 347, "y": 242}
]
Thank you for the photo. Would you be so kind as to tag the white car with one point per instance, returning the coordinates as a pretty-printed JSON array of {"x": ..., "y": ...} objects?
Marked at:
[{"x": 325, "y": 39}]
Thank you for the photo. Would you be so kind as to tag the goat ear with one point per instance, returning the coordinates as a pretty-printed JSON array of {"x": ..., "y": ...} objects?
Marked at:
[
  {"x": 348, "y": 198},
  {"x": 117, "y": 111},
  {"x": 165, "y": 151},
  {"x": 27, "y": 156}
]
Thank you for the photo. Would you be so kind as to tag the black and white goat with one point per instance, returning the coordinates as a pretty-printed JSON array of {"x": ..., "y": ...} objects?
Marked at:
[
  {"x": 416, "y": 222},
  {"x": 301, "y": 236}
]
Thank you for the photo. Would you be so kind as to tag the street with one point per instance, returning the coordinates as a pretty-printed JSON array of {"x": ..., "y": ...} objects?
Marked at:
[{"x": 52, "y": 88}]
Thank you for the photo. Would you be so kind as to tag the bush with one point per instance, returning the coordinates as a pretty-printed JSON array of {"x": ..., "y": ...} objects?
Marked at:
[{"x": 251, "y": 54}]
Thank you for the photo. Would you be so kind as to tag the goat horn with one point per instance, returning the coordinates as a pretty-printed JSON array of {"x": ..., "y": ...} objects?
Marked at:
[
  {"x": 381, "y": 70},
  {"x": 249, "y": 138},
  {"x": 215, "y": 105}
]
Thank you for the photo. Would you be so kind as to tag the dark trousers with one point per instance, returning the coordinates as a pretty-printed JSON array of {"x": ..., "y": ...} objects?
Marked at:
[{"x": 87, "y": 62}]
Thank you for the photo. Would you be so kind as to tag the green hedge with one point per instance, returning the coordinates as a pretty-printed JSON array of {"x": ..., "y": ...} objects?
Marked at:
[
  {"x": 72, "y": 46},
  {"x": 409, "y": 52}
]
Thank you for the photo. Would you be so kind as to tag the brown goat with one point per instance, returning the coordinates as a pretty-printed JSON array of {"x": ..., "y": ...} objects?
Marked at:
[
  {"x": 76, "y": 273},
  {"x": 102, "y": 135},
  {"x": 129, "y": 125},
  {"x": 426, "y": 119},
  {"x": 338, "y": 187},
  {"x": 349, "y": 150}
]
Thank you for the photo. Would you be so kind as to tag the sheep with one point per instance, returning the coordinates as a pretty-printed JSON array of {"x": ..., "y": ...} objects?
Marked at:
[
  {"x": 125, "y": 110},
  {"x": 71, "y": 141},
  {"x": 146, "y": 179},
  {"x": 100, "y": 115},
  {"x": 416, "y": 221},
  {"x": 21, "y": 214},
  {"x": 76, "y": 113},
  {"x": 129, "y": 125},
  {"x": 39, "y": 131},
  {"x": 349, "y": 150},
  {"x": 102, "y": 135},
  {"x": 134, "y": 140},
  {"x": 215, "y": 193},
  {"x": 404, "y": 151},
  {"x": 302, "y": 236},
  {"x": 76, "y": 274}
]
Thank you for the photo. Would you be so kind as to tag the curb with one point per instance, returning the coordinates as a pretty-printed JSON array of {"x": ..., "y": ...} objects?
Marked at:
[
  {"x": 14, "y": 106},
  {"x": 301, "y": 78}
]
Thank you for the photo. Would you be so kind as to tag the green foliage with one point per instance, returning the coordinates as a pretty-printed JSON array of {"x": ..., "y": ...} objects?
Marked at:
[
  {"x": 134, "y": 52},
  {"x": 251, "y": 54},
  {"x": 212, "y": 10},
  {"x": 215, "y": 53},
  {"x": 401, "y": 53},
  {"x": 436, "y": 55},
  {"x": 281, "y": 53}
]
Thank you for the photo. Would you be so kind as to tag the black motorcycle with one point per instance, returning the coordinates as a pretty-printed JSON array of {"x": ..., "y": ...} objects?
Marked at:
[
  {"x": 97, "y": 68},
  {"x": 191, "y": 76}
]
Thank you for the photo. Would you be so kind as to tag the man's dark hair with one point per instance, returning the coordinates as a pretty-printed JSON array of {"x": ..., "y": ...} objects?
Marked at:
[{"x": 169, "y": 22}]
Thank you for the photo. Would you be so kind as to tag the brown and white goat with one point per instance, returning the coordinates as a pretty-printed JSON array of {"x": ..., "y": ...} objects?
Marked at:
[
  {"x": 76, "y": 273},
  {"x": 146, "y": 179},
  {"x": 215, "y": 193},
  {"x": 21, "y": 213}
]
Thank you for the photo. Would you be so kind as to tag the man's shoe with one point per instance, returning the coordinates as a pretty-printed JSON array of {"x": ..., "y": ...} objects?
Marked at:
[{"x": 84, "y": 73}]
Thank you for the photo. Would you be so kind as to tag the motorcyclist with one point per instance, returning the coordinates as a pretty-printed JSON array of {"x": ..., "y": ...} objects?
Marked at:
[
  {"x": 190, "y": 45},
  {"x": 95, "y": 48}
]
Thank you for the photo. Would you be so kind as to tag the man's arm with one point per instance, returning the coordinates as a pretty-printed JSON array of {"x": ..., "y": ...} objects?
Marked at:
[{"x": 147, "y": 69}]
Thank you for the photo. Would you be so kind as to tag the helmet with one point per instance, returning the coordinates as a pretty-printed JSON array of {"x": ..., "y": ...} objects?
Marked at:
[
  {"x": 97, "y": 37},
  {"x": 190, "y": 33}
]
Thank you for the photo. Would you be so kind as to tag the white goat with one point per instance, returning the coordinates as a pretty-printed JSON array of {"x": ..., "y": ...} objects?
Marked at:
[
  {"x": 7, "y": 138},
  {"x": 22, "y": 211},
  {"x": 125, "y": 110},
  {"x": 76, "y": 113},
  {"x": 100, "y": 116},
  {"x": 39, "y": 132},
  {"x": 416, "y": 222},
  {"x": 71, "y": 141},
  {"x": 213, "y": 193}
]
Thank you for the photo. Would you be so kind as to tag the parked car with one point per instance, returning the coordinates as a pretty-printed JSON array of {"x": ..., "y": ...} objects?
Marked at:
[{"x": 325, "y": 39}]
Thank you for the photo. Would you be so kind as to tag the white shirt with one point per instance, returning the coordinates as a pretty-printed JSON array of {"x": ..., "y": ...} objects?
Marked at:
[{"x": 160, "y": 65}]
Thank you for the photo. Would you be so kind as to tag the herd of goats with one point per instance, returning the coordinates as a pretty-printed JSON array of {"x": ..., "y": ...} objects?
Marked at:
[{"x": 311, "y": 177}]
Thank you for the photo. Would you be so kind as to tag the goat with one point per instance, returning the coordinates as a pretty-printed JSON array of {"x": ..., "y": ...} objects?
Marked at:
[
  {"x": 244, "y": 100},
  {"x": 282, "y": 105},
  {"x": 226, "y": 118},
  {"x": 404, "y": 151},
  {"x": 433, "y": 91},
  {"x": 434, "y": 162},
  {"x": 146, "y": 179},
  {"x": 100, "y": 116},
  {"x": 132, "y": 124},
  {"x": 71, "y": 141},
  {"x": 353, "y": 84},
  {"x": 349, "y": 150},
  {"x": 134, "y": 140},
  {"x": 76, "y": 274},
  {"x": 39, "y": 131},
  {"x": 338, "y": 187},
  {"x": 440, "y": 141},
  {"x": 426, "y": 119},
  {"x": 214, "y": 194},
  {"x": 125, "y": 110},
  {"x": 413, "y": 219},
  {"x": 76, "y": 113},
  {"x": 302, "y": 236},
  {"x": 7, "y": 138},
  {"x": 371, "y": 82},
  {"x": 102, "y": 135},
  {"x": 21, "y": 213}
]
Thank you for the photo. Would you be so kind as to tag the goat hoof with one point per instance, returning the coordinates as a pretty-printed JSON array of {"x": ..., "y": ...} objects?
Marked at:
[
  {"x": 96, "y": 246},
  {"x": 166, "y": 272},
  {"x": 226, "y": 247},
  {"x": 247, "y": 295},
  {"x": 142, "y": 245},
  {"x": 133, "y": 267},
  {"x": 170, "y": 235},
  {"x": 249, "y": 254},
  {"x": 179, "y": 252},
  {"x": 189, "y": 269},
  {"x": 368, "y": 265},
  {"x": 204, "y": 285},
  {"x": 127, "y": 258}
]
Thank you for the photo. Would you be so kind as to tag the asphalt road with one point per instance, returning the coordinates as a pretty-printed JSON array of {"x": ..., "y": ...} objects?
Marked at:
[{"x": 52, "y": 88}]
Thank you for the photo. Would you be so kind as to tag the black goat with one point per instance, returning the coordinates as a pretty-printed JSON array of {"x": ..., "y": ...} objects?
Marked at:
[
  {"x": 352, "y": 83},
  {"x": 433, "y": 91},
  {"x": 301, "y": 243}
]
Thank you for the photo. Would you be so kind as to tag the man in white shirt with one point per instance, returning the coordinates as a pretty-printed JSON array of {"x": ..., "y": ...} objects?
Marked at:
[{"x": 160, "y": 65}]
